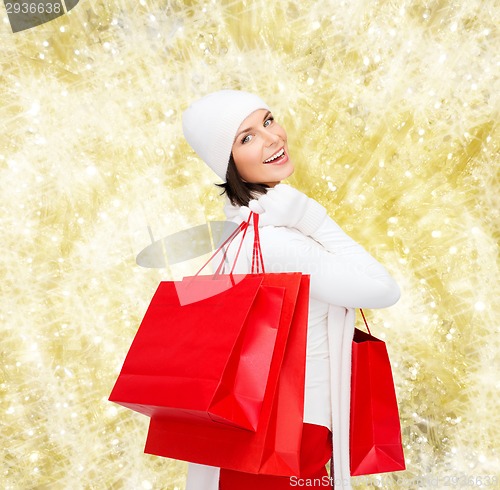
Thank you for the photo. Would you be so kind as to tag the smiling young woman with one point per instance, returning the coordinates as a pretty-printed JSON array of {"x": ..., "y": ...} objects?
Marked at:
[{"x": 236, "y": 135}]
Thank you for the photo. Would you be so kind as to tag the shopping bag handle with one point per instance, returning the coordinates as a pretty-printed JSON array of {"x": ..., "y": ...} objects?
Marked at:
[
  {"x": 366, "y": 323},
  {"x": 257, "y": 260},
  {"x": 242, "y": 226}
]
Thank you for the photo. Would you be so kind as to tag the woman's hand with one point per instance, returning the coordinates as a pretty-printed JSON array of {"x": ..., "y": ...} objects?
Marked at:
[{"x": 285, "y": 206}]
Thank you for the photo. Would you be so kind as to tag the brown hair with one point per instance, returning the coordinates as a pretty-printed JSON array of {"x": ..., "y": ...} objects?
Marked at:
[{"x": 239, "y": 192}]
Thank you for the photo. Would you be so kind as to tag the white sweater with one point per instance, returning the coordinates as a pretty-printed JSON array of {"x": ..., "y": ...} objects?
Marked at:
[{"x": 343, "y": 277}]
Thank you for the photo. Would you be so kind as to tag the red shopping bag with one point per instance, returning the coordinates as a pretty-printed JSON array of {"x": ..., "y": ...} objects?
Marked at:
[
  {"x": 203, "y": 350},
  {"x": 375, "y": 431},
  {"x": 208, "y": 359},
  {"x": 275, "y": 446}
]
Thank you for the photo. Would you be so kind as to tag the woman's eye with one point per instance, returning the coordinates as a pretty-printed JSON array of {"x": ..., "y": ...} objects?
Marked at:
[
  {"x": 268, "y": 121},
  {"x": 247, "y": 138}
]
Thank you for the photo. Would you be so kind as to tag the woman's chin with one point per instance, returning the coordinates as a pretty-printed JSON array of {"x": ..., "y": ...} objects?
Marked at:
[
  {"x": 277, "y": 177},
  {"x": 287, "y": 170}
]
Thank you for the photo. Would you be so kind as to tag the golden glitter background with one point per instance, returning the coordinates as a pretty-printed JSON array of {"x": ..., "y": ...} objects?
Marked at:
[{"x": 392, "y": 113}]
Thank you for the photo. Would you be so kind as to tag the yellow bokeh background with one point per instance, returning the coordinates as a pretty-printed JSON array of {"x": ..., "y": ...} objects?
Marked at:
[{"x": 391, "y": 108}]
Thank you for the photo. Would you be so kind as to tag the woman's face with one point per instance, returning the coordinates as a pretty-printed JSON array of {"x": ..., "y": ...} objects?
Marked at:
[{"x": 260, "y": 150}]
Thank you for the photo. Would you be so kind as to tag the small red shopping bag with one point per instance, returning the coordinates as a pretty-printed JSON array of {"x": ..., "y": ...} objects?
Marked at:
[
  {"x": 375, "y": 431},
  {"x": 203, "y": 351}
]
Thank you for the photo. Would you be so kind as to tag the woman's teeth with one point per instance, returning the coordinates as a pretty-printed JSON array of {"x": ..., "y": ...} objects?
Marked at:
[{"x": 274, "y": 157}]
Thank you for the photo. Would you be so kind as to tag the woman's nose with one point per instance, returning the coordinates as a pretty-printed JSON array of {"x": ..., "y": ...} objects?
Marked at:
[{"x": 271, "y": 138}]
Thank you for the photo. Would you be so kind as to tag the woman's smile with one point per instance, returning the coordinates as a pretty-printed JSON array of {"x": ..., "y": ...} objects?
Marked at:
[{"x": 278, "y": 158}]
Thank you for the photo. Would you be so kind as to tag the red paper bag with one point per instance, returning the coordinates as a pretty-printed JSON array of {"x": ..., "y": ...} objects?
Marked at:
[
  {"x": 275, "y": 447},
  {"x": 375, "y": 437},
  {"x": 205, "y": 360}
]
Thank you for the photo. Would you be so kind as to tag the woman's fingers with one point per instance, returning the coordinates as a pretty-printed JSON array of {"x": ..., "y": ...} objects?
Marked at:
[
  {"x": 264, "y": 201},
  {"x": 255, "y": 206},
  {"x": 244, "y": 212}
]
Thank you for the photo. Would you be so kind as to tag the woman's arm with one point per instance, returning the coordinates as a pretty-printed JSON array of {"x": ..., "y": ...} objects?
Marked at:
[
  {"x": 342, "y": 272},
  {"x": 303, "y": 238}
]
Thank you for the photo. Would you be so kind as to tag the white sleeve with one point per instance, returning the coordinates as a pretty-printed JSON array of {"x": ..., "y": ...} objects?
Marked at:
[{"x": 342, "y": 272}]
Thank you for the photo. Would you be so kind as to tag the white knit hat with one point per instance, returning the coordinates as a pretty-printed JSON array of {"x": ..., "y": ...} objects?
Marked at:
[{"x": 210, "y": 125}]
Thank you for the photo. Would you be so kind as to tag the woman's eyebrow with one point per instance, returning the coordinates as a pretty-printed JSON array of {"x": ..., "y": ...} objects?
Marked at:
[{"x": 266, "y": 115}]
